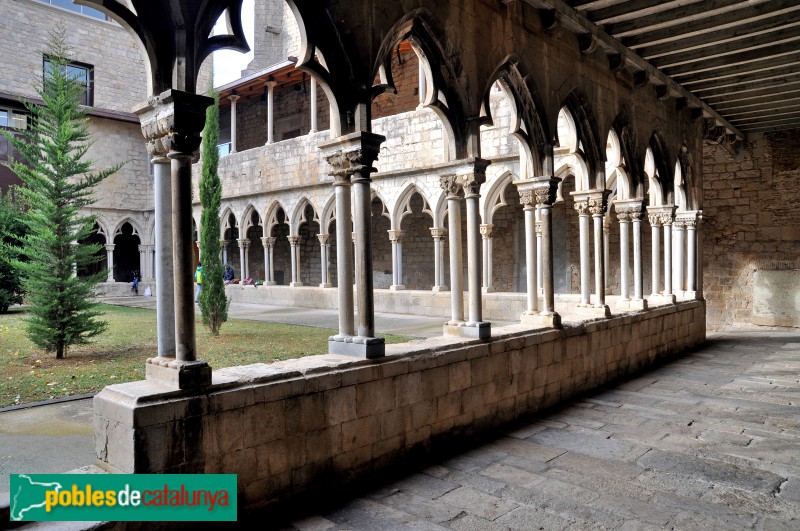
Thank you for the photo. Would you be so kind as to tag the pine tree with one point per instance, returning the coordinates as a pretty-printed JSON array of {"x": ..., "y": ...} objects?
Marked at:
[
  {"x": 213, "y": 302},
  {"x": 57, "y": 185},
  {"x": 11, "y": 229}
]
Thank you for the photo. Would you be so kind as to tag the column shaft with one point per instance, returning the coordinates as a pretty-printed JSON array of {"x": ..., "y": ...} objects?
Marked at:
[
  {"x": 546, "y": 214},
  {"x": 363, "y": 229},
  {"x": 655, "y": 236},
  {"x": 456, "y": 274},
  {"x": 474, "y": 258},
  {"x": 637, "y": 257},
  {"x": 270, "y": 112},
  {"x": 242, "y": 265},
  {"x": 599, "y": 262},
  {"x": 344, "y": 257},
  {"x": 531, "y": 242},
  {"x": 624, "y": 256},
  {"x": 233, "y": 99},
  {"x": 313, "y": 97},
  {"x": 183, "y": 256},
  {"x": 165, "y": 302},
  {"x": 110, "y": 260},
  {"x": 583, "y": 228},
  {"x": 678, "y": 259},
  {"x": 691, "y": 257},
  {"x": 667, "y": 259}
]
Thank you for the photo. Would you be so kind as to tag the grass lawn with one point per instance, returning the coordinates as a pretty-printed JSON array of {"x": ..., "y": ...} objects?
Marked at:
[{"x": 27, "y": 374}]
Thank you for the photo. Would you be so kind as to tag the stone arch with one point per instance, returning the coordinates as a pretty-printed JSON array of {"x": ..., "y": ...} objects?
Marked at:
[
  {"x": 528, "y": 125},
  {"x": 126, "y": 240},
  {"x": 228, "y": 221},
  {"x": 250, "y": 218},
  {"x": 568, "y": 157},
  {"x": 588, "y": 138},
  {"x": 631, "y": 156},
  {"x": 617, "y": 178},
  {"x": 661, "y": 168},
  {"x": 445, "y": 93},
  {"x": 271, "y": 216},
  {"x": 381, "y": 245},
  {"x": 494, "y": 199},
  {"x": 299, "y": 216},
  {"x": 328, "y": 215},
  {"x": 686, "y": 162},
  {"x": 402, "y": 206},
  {"x": 97, "y": 236}
]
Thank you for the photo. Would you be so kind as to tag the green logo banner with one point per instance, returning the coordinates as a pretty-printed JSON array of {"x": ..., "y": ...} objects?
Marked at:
[{"x": 123, "y": 497}]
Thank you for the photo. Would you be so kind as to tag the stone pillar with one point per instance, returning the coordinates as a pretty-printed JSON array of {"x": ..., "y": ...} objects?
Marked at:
[
  {"x": 544, "y": 193},
  {"x": 110, "y": 260},
  {"x": 224, "y": 245},
  {"x": 142, "y": 261},
  {"x": 606, "y": 239},
  {"x": 486, "y": 234},
  {"x": 624, "y": 257},
  {"x": 270, "y": 111},
  {"x": 539, "y": 265},
  {"x": 597, "y": 207},
  {"x": 351, "y": 158},
  {"x": 699, "y": 236},
  {"x": 528, "y": 200},
  {"x": 269, "y": 260},
  {"x": 295, "y": 260},
  {"x": 582, "y": 207},
  {"x": 450, "y": 185},
  {"x": 313, "y": 97},
  {"x": 396, "y": 237},
  {"x": 662, "y": 216},
  {"x": 666, "y": 222},
  {"x": 165, "y": 303},
  {"x": 678, "y": 259},
  {"x": 234, "y": 98},
  {"x": 655, "y": 265},
  {"x": 691, "y": 255},
  {"x": 243, "y": 269},
  {"x": 438, "y": 259},
  {"x": 323, "y": 253},
  {"x": 175, "y": 119},
  {"x": 636, "y": 222}
]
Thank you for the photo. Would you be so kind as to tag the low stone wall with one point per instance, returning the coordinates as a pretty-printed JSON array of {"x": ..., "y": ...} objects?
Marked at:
[
  {"x": 290, "y": 426},
  {"x": 122, "y": 289}
]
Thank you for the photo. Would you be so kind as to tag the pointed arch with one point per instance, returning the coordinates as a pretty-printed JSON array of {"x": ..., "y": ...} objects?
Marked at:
[
  {"x": 229, "y": 221},
  {"x": 662, "y": 173},
  {"x": 137, "y": 230},
  {"x": 588, "y": 139},
  {"x": 247, "y": 219},
  {"x": 299, "y": 215},
  {"x": 328, "y": 215},
  {"x": 494, "y": 199},
  {"x": 403, "y": 206},
  {"x": 271, "y": 216}
]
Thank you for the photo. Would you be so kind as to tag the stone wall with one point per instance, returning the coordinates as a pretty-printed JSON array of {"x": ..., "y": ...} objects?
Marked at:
[
  {"x": 308, "y": 424},
  {"x": 751, "y": 222}
]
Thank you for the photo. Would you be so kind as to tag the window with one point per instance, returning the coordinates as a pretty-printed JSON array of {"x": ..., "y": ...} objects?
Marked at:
[
  {"x": 83, "y": 74},
  {"x": 13, "y": 119},
  {"x": 67, "y": 4}
]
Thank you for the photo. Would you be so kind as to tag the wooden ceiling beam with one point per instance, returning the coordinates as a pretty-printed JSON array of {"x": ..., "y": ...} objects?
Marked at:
[
  {"x": 790, "y": 88},
  {"x": 788, "y": 117},
  {"x": 774, "y": 128},
  {"x": 770, "y": 102},
  {"x": 776, "y": 55},
  {"x": 629, "y": 10},
  {"x": 762, "y": 77},
  {"x": 781, "y": 110}
]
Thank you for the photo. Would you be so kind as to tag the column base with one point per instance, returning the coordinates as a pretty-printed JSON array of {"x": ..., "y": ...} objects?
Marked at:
[
  {"x": 439, "y": 289},
  {"x": 487, "y": 289},
  {"x": 326, "y": 285},
  {"x": 295, "y": 284},
  {"x": 593, "y": 311},
  {"x": 632, "y": 304},
  {"x": 551, "y": 320},
  {"x": 110, "y": 280},
  {"x": 269, "y": 283},
  {"x": 397, "y": 287},
  {"x": 178, "y": 374},
  {"x": 357, "y": 346},
  {"x": 481, "y": 330},
  {"x": 693, "y": 295}
]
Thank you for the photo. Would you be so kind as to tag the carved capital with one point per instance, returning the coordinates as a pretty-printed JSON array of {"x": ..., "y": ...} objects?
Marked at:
[
  {"x": 597, "y": 205},
  {"x": 323, "y": 238},
  {"x": 244, "y": 243},
  {"x": 471, "y": 183},
  {"x": 486, "y": 230},
  {"x": 545, "y": 190},
  {"x": 527, "y": 198},
  {"x": 395, "y": 235},
  {"x": 450, "y": 185},
  {"x": 582, "y": 208},
  {"x": 110, "y": 247},
  {"x": 294, "y": 240},
  {"x": 352, "y": 156},
  {"x": 438, "y": 232},
  {"x": 172, "y": 123},
  {"x": 654, "y": 219},
  {"x": 268, "y": 241}
]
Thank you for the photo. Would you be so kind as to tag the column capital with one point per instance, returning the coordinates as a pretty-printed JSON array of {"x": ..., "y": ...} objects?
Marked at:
[
  {"x": 450, "y": 185},
  {"x": 272, "y": 84},
  {"x": 629, "y": 207},
  {"x": 438, "y": 232},
  {"x": 664, "y": 214},
  {"x": 223, "y": 242},
  {"x": 688, "y": 218},
  {"x": 110, "y": 246},
  {"x": 395, "y": 235},
  {"x": 268, "y": 241},
  {"x": 244, "y": 243},
  {"x": 486, "y": 230},
  {"x": 172, "y": 122},
  {"x": 527, "y": 198},
  {"x": 544, "y": 189},
  {"x": 592, "y": 202},
  {"x": 323, "y": 238},
  {"x": 351, "y": 156},
  {"x": 294, "y": 240},
  {"x": 234, "y": 98}
]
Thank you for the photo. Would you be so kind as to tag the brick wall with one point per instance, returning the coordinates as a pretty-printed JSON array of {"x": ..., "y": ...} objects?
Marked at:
[
  {"x": 297, "y": 425},
  {"x": 750, "y": 220}
]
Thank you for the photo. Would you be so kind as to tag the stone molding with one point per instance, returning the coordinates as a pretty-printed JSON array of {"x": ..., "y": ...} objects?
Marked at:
[
  {"x": 438, "y": 232},
  {"x": 172, "y": 123}
]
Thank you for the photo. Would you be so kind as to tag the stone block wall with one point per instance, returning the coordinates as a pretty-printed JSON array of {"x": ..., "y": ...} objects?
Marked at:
[
  {"x": 308, "y": 424},
  {"x": 750, "y": 221}
]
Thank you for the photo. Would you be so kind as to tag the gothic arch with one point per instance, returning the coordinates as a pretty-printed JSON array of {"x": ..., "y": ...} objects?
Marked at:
[
  {"x": 403, "y": 207},
  {"x": 247, "y": 219},
  {"x": 587, "y": 134},
  {"x": 328, "y": 215},
  {"x": 662, "y": 175},
  {"x": 271, "y": 216},
  {"x": 299, "y": 215},
  {"x": 494, "y": 199}
]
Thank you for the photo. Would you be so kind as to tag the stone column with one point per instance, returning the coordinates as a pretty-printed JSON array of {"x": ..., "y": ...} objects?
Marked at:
[
  {"x": 636, "y": 222},
  {"x": 472, "y": 185},
  {"x": 270, "y": 111},
  {"x": 175, "y": 119},
  {"x": 396, "y": 237},
  {"x": 582, "y": 207},
  {"x": 666, "y": 222},
  {"x": 142, "y": 261},
  {"x": 110, "y": 260},
  {"x": 544, "y": 193},
  {"x": 691, "y": 255},
  {"x": 624, "y": 257},
  {"x": 323, "y": 253},
  {"x": 678, "y": 230},
  {"x": 165, "y": 303},
  {"x": 528, "y": 200},
  {"x": 699, "y": 236},
  {"x": 351, "y": 158},
  {"x": 313, "y": 97},
  {"x": 450, "y": 185},
  {"x": 234, "y": 98},
  {"x": 295, "y": 260},
  {"x": 597, "y": 207},
  {"x": 224, "y": 245},
  {"x": 243, "y": 244},
  {"x": 606, "y": 240},
  {"x": 269, "y": 260},
  {"x": 438, "y": 259},
  {"x": 486, "y": 234},
  {"x": 539, "y": 265},
  {"x": 655, "y": 236}
]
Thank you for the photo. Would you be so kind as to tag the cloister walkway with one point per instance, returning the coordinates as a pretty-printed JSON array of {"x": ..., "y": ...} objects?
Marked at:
[{"x": 709, "y": 441}]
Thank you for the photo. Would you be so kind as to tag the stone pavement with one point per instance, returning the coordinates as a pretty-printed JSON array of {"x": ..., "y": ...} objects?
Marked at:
[{"x": 710, "y": 441}]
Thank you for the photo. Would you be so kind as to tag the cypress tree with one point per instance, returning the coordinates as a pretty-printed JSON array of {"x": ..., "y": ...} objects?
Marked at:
[
  {"x": 213, "y": 302},
  {"x": 57, "y": 184}
]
